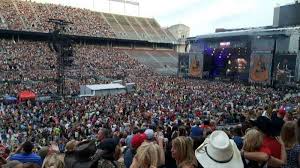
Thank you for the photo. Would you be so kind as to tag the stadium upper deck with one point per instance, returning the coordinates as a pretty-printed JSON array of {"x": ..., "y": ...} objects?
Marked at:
[{"x": 32, "y": 17}]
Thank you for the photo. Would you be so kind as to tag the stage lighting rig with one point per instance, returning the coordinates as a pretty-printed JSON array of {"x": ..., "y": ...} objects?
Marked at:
[{"x": 61, "y": 44}]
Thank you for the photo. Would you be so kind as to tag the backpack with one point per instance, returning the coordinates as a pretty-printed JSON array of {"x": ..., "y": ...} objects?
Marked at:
[{"x": 84, "y": 156}]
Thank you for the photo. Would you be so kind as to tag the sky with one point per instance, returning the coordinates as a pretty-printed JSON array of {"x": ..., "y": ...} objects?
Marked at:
[{"x": 202, "y": 16}]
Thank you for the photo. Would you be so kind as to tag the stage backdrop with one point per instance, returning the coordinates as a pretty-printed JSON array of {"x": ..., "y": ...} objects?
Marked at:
[
  {"x": 196, "y": 65},
  {"x": 261, "y": 61},
  {"x": 260, "y": 67},
  {"x": 183, "y": 64}
]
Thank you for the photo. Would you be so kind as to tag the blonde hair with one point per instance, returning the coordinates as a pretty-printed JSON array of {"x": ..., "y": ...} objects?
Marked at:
[
  {"x": 252, "y": 140},
  {"x": 71, "y": 145},
  {"x": 184, "y": 146},
  {"x": 148, "y": 155},
  {"x": 288, "y": 134},
  {"x": 118, "y": 152},
  {"x": 54, "y": 161}
]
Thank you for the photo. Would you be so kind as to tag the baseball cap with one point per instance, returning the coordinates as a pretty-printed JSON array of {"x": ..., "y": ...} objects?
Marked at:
[{"x": 149, "y": 134}]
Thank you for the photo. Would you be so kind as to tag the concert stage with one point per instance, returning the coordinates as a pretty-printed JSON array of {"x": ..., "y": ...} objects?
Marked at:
[{"x": 266, "y": 56}]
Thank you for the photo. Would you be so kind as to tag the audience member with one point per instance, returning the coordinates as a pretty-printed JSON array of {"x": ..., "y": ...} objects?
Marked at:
[
  {"x": 288, "y": 135},
  {"x": 182, "y": 152},
  {"x": 27, "y": 156},
  {"x": 219, "y": 151}
]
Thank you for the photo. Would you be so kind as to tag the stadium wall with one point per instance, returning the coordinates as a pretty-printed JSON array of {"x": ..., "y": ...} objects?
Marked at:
[{"x": 109, "y": 42}]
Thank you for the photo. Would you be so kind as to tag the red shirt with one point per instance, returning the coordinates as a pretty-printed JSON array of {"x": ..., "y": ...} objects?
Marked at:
[
  {"x": 198, "y": 114},
  {"x": 272, "y": 145},
  {"x": 2, "y": 151},
  {"x": 265, "y": 150},
  {"x": 204, "y": 126}
]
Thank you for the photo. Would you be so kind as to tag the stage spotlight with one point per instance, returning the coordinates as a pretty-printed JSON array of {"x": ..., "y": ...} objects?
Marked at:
[{"x": 220, "y": 57}]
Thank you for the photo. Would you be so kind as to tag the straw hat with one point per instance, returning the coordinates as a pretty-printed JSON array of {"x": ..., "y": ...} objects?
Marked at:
[{"x": 218, "y": 151}]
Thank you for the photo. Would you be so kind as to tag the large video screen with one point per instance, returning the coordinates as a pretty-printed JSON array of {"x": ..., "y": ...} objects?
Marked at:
[
  {"x": 183, "y": 64},
  {"x": 284, "y": 67}
]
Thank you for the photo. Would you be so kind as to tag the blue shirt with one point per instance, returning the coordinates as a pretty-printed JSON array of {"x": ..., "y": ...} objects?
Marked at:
[
  {"x": 27, "y": 158},
  {"x": 238, "y": 141},
  {"x": 196, "y": 131},
  {"x": 128, "y": 157}
]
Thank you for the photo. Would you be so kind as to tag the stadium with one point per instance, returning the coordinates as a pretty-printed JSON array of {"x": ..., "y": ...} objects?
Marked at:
[{"x": 82, "y": 88}]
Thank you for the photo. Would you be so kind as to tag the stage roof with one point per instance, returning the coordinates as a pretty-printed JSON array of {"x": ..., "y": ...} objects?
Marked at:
[{"x": 258, "y": 31}]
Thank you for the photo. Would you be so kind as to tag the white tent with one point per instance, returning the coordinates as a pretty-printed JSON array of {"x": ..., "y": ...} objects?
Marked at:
[{"x": 102, "y": 89}]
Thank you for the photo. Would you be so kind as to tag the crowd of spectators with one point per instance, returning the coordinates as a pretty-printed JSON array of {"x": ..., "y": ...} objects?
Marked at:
[
  {"x": 23, "y": 15},
  {"x": 18, "y": 69},
  {"x": 174, "y": 108},
  {"x": 33, "y": 17},
  {"x": 176, "y": 114},
  {"x": 165, "y": 122},
  {"x": 92, "y": 64}
]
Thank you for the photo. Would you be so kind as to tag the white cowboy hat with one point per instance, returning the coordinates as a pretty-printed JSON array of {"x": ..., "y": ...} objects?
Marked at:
[{"x": 218, "y": 151}]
